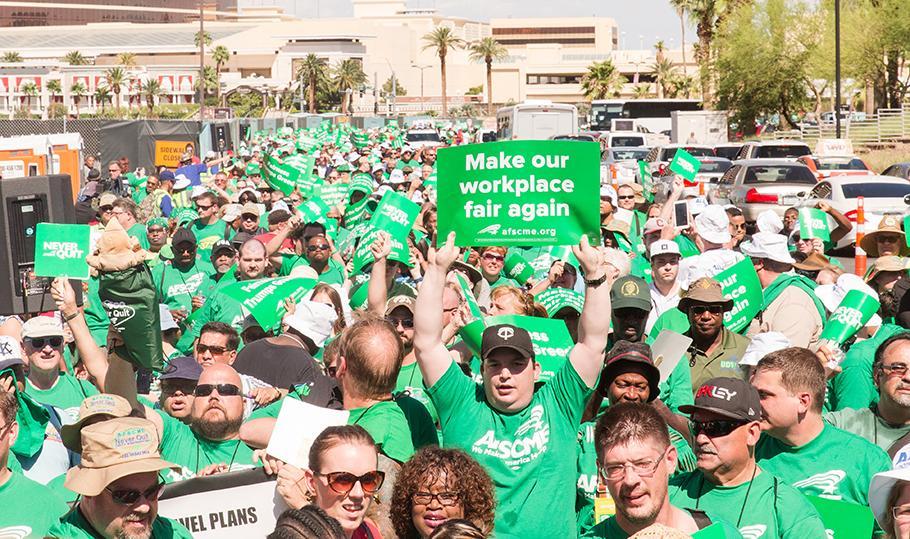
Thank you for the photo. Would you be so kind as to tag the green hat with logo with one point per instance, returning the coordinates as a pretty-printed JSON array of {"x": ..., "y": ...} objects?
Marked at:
[
  {"x": 557, "y": 299},
  {"x": 252, "y": 169},
  {"x": 630, "y": 292}
]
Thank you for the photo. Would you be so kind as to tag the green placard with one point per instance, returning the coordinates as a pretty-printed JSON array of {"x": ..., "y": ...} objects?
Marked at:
[
  {"x": 305, "y": 178},
  {"x": 395, "y": 215},
  {"x": 60, "y": 250},
  {"x": 361, "y": 182},
  {"x": 550, "y": 338},
  {"x": 851, "y": 315},
  {"x": 813, "y": 223},
  {"x": 517, "y": 268},
  {"x": 843, "y": 520},
  {"x": 334, "y": 194},
  {"x": 740, "y": 283},
  {"x": 555, "y": 299},
  {"x": 280, "y": 176},
  {"x": 264, "y": 298},
  {"x": 469, "y": 296},
  {"x": 685, "y": 165},
  {"x": 313, "y": 211},
  {"x": 647, "y": 182},
  {"x": 520, "y": 192}
]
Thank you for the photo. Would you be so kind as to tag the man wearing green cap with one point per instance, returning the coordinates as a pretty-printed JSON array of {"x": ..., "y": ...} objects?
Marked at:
[{"x": 156, "y": 232}]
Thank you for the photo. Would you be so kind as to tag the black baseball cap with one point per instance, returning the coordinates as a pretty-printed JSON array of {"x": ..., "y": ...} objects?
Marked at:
[
  {"x": 626, "y": 357},
  {"x": 506, "y": 336},
  {"x": 730, "y": 397},
  {"x": 183, "y": 235},
  {"x": 183, "y": 367},
  {"x": 222, "y": 245}
]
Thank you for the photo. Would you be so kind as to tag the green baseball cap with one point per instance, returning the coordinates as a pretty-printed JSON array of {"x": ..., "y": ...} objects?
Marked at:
[{"x": 630, "y": 292}]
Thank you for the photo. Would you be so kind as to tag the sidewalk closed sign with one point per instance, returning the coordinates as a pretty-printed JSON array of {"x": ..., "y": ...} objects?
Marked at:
[
  {"x": 522, "y": 192},
  {"x": 685, "y": 165},
  {"x": 60, "y": 250}
]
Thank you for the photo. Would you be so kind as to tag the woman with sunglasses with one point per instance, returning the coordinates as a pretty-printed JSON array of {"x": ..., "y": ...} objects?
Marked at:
[{"x": 438, "y": 485}]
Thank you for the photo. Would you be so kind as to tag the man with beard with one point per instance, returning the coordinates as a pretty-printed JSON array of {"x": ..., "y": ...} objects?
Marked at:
[
  {"x": 726, "y": 421},
  {"x": 180, "y": 280},
  {"x": 635, "y": 459},
  {"x": 120, "y": 487},
  {"x": 224, "y": 258}
]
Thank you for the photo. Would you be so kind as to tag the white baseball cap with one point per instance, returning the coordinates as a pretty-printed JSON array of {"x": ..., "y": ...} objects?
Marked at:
[
  {"x": 314, "y": 320},
  {"x": 713, "y": 224},
  {"x": 880, "y": 492},
  {"x": 767, "y": 245},
  {"x": 181, "y": 182},
  {"x": 768, "y": 221},
  {"x": 663, "y": 247},
  {"x": 763, "y": 344}
]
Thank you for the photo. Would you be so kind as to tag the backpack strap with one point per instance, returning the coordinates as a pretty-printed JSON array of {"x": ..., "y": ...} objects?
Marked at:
[{"x": 702, "y": 520}]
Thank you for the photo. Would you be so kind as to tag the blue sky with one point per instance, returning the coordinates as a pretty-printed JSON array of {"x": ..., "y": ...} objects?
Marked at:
[{"x": 652, "y": 19}]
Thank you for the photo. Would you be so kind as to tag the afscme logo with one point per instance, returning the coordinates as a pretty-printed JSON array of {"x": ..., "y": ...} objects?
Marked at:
[
  {"x": 492, "y": 229},
  {"x": 716, "y": 392}
]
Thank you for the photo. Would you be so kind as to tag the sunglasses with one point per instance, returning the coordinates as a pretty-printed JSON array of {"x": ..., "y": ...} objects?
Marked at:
[
  {"x": 405, "y": 322},
  {"x": 203, "y": 348},
  {"x": 343, "y": 482},
  {"x": 249, "y": 217},
  {"x": 200, "y": 207},
  {"x": 699, "y": 310},
  {"x": 323, "y": 247},
  {"x": 41, "y": 342},
  {"x": 131, "y": 496},
  {"x": 491, "y": 256},
  {"x": 626, "y": 197},
  {"x": 106, "y": 209},
  {"x": 715, "y": 429},
  {"x": 225, "y": 390},
  {"x": 888, "y": 239}
]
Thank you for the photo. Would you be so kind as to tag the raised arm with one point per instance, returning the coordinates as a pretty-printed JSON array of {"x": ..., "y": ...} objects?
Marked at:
[
  {"x": 121, "y": 380},
  {"x": 94, "y": 358},
  {"x": 377, "y": 292},
  {"x": 432, "y": 356},
  {"x": 587, "y": 355},
  {"x": 844, "y": 226}
]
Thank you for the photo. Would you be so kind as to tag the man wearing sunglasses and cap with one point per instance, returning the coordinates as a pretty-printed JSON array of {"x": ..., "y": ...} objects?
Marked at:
[
  {"x": 119, "y": 481},
  {"x": 181, "y": 281},
  {"x": 726, "y": 423}
]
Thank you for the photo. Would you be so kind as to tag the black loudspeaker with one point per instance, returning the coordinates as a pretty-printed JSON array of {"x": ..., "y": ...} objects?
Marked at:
[
  {"x": 221, "y": 137},
  {"x": 25, "y": 202}
]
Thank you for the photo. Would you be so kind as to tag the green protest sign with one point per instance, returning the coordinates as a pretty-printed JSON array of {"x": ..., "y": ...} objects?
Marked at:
[
  {"x": 469, "y": 296},
  {"x": 264, "y": 298},
  {"x": 395, "y": 215},
  {"x": 517, "y": 268},
  {"x": 685, "y": 165},
  {"x": 313, "y": 211},
  {"x": 520, "y": 192},
  {"x": 60, "y": 250},
  {"x": 307, "y": 143},
  {"x": 813, "y": 223},
  {"x": 361, "y": 182},
  {"x": 647, "y": 182},
  {"x": 550, "y": 339},
  {"x": 854, "y": 311},
  {"x": 334, "y": 194},
  {"x": 843, "y": 519},
  {"x": 714, "y": 531},
  {"x": 280, "y": 176},
  {"x": 740, "y": 283},
  {"x": 556, "y": 299},
  {"x": 305, "y": 179}
]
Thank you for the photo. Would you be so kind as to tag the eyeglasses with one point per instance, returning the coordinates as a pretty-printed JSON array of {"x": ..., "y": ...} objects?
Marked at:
[
  {"x": 215, "y": 350},
  {"x": 225, "y": 390},
  {"x": 343, "y": 482},
  {"x": 642, "y": 468},
  {"x": 625, "y": 197},
  {"x": 895, "y": 369},
  {"x": 106, "y": 209},
  {"x": 901, "y": 512},
  {"x": 405, "y": 322},
  {"x": 491, "y": 256},
  {"x": 249, "y": 217},
  {"x": 113, "y": 170},
  {"x": 322, "y": 247},
  {"x": 131, "y": 496},
  {"x": 446, "y": 499},
  {"x": 888, "y": 239},
  {"x": 715, "y": 429},
  {"x": 738, "y": 227},
  {"x": 699, "y": 310},
  {"x": 41, "y": 342}
]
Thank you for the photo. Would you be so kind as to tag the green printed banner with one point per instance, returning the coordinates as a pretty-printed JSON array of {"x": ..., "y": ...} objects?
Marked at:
[
  {"x": 550, "y": 338},
  {"x": 740, "y": 283},
  {"x": 469, "y": 296},
  {"x": 843, "y": 519},
  {"x": 854, "y": 311},
  {"x": 517, "y": 268},
  {"x": 685, "y": 164},
  {"x": 813, "y": 223},
  {"x": 264, "y": 298},
  {"x": 280, "y": 176},
  {"x": 520, "y": 192},
  {"x": 307, "y": 143},
  {"x": 60, "y": 250},
  {"x": 313, "y": 211},
  {"x": 395, "y": 215},
  {"x": 556, "y": 299},
  {"x": 334, "y": 194},
  {"x": 647, "y": 182},
  {"x": 305, "y": 179}
]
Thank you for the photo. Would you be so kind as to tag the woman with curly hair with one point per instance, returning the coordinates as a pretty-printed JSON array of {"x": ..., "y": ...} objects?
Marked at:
[{"x": 438, "y": 485}]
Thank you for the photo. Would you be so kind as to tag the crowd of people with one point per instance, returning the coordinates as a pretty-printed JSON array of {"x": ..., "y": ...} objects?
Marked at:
[{"x": 753, "y": 433}]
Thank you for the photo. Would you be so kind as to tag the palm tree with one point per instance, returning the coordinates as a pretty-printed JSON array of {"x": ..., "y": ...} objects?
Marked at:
[
  {"x": 152, "y": 90},
  {"x": 209, "y": 80},
  {"x": 442, "y": 39},
  {"x": 116, "y": 77},
  {"x": 488, "y": 50},
  {"x": 681, "y": 7},
  {"x": 77, "y": 90},
  {"x": 30, "y": 90},
  {"x": 75, "y": 58},
  {"x": 348, "y": 75},
  {"x": 205, "y": 36},
  {"x": 641, "y": 91},
  {"x": 220, "y": 55},
  {"x": 602, "y": 80},
  {"x": 127, "y": 59},
  {"x": 659, "y": 49},
  {"x": 102, "y": 94},
  {"x": 664, "y": 71},
  {"x": 313, "y": 70},
  {"x": 54, "y": 87},
  {"x": 11, "y": 58}
]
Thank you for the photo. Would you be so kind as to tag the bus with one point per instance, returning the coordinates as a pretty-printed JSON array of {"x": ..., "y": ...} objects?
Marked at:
[
  {"x": 536, "y": 120},
  {"x": 651, "y": 114}
]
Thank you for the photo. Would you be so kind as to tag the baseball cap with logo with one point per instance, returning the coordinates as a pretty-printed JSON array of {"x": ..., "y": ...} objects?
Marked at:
[
  {"x": 395, "y": 302},
  {"x": 223, "y": 245},
  {"x": 183, "y": 368},
  {"x": 101, "y": 404},
  {"x": 630, "y": 292},
  {"x": 663, "y": 247},
  {"x": 42, "y": 326},
  {"x": 113, "y": 449},
  {"x": 10, "y": 353},
  {"x": 730, "y": 397},
  {"x": 506, "y": 336}
]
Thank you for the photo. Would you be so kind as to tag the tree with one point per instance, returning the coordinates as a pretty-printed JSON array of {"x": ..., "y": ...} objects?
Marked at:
[
  {"x": 442, "y": 39},
  {"x": 152, "y": 90},
  {"x": 205, "y": 36},
  {"x": 681, "y": 7},
  {"x": 11, "y": 58},
  {"x": 488, "y": 50},
  {"x": 75, "y": 58},
  {"x": 209, "y": 80},
  {"x": 102, "y": 95},
  {"x": 399, "y": 89},
  {"x": 127, "y": 59},
  {"x": 30, "y": 90},
  {"x": 313, "y": 70},
  {"x": 641, "y": 91},
  {"x": 220, "y": 55},
  {"x": 54, "y": 87},
  {"x": 602, "y": 80},
  {"x": 663, "y": 74},
  {"x": 116, "y": 77},
  {"x": 77, "y": 90},
  {"x": 659, "y": 49},
  {"x": 348, "y": 75}
]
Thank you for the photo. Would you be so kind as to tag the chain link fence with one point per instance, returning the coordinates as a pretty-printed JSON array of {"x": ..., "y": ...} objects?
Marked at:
[{"x": 88, "y": 128}]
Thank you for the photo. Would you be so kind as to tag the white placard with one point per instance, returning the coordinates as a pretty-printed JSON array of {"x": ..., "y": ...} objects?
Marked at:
[
  {"x": 667, "y": 350},
  {"x": 298, "y": 424}
]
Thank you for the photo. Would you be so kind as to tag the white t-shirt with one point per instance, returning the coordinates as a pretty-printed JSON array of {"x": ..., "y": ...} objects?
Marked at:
[{"x": 660, "y": 304}]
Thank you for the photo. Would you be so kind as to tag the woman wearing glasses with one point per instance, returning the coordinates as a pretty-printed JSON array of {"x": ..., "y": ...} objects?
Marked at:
[{"x": 438, "y": 485}]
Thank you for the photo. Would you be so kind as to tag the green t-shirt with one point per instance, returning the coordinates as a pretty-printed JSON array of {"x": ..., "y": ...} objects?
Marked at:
[
  {"x": 66, "y": 395},
  {"x": 609, "y": 529},
  {"x": 836, "y": 465},
  {"x": 410, "y": 380},
  {"x": 139, "y": 232},
  {"x": 763, "y": 507},
  {"x": 182, "y": 446},
  {"x": 207, "y": 235},
  {"x": 853, "y": 387},
  {"x": 503, "y": 281},
  {"x": 530, "y": 455},
  {"x": 176, "y": 286},
  {"x": 75, "y": 526},
  {"x": 29, "y": 508},
  {"x": 392, "y": 425},
  {"x": 867, "y": 424},
  {"x": 334, "y": 273}
]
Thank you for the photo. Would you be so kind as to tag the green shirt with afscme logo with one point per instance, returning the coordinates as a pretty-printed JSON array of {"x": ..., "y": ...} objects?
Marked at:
[{"x": 530, "y": 455}]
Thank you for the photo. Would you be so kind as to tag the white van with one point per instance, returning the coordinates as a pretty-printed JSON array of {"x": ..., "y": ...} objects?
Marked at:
[{"x": 536, "y": 120}]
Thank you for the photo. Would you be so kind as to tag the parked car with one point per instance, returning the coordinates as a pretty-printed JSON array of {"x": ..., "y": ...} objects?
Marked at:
[
  {"x": 620, "y": 165},
  {"x": 881, "y": 195},
  {"x": 898, "y": 170},
  {"x": 728, "y": 150},
  {"x": 773, "y": 149},
  {"x": 419, "y": 138},
  {"x": 625, "y": 139},
  {"x": 828, "y": 166},
  {"x": 659, "y": 157},
  {"x": 756, "y": 185}
]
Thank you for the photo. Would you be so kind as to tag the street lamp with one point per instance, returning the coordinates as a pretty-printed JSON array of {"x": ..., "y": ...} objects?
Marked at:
[
  {"x": 837, "y": 95},
  {"x": 421, "y": 68}
]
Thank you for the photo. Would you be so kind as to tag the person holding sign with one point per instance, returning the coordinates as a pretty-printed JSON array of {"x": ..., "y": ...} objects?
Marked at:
[{"x": 525, "y": 438}]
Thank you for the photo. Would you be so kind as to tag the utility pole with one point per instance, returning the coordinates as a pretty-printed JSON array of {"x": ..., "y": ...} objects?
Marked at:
[
  {"x": 375, "y": 93},
  {"x": 837, "y": 95},
  {"x": 301, "y": 90},
  {"x": 394, "y": 93},
  {"x": 201, "y": 66}
]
